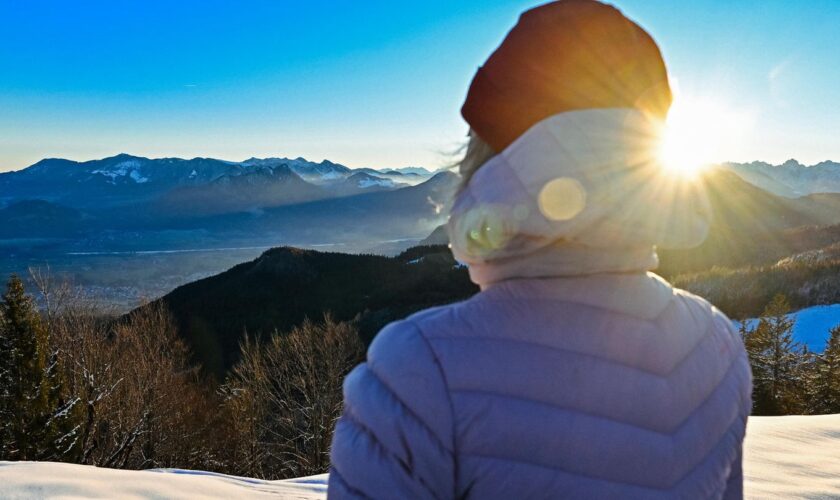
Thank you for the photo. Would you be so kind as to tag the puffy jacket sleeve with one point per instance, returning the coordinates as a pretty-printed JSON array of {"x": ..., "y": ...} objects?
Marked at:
[
  {"x": 735, "y": 484},
  {"x": 395, "y": 436}
]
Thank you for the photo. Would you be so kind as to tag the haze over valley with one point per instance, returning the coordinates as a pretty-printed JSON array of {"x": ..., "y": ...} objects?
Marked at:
[{"x": 127, "y": 227}]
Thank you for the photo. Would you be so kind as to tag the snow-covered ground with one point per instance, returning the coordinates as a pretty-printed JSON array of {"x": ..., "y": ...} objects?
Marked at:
[
  {"x": 784, "y": 457},
  {"x": 812, "y": 325},
  {"x": 36, "y": 480},
  {"x": 792, "y": 457}
]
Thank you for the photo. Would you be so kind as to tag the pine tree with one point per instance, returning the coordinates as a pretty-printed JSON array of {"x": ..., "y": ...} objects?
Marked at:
[
  {"x": 778, "y": 362},
  {"x": 825, "y": 377},
  {"x": 37, "y": 424}
]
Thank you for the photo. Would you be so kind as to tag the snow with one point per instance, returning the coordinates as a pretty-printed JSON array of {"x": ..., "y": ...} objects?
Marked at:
[
  {"x": 139, "y": 179},
  {"x": 122, "y": 169},
  {"x": 792, "y": 457},
  {"x": 19, "y": 480},
  {"x": 324, "y": 173},
  {"x": 316, "y": 173},
  {"x": 784, "y": 457},
  {"x": 812, "y": 325}
]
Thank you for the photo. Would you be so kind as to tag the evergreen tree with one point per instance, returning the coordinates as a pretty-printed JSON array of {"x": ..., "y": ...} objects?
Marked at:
[
  {"x": 825, "y": 377},
  {"x": 37, "y": 424},
  {"x": 778, "y": 362}
]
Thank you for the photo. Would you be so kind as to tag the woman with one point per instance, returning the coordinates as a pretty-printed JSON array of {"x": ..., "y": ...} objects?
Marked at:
[{"x": 575, "y": 372}]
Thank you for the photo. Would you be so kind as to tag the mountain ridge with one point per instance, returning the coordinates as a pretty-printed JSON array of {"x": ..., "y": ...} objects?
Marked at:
[
  {"x": 790, "y": 179},
  {"x": 125, "y": 179}
]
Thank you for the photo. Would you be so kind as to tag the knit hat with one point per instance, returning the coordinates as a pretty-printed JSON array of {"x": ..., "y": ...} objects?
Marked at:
[{"x": 564, "y": 56}]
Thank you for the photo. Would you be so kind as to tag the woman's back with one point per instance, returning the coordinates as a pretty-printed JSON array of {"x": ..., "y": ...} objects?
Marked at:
[
  {"x": 574, "y": 373},
  {"x": 607, "y": 386}
]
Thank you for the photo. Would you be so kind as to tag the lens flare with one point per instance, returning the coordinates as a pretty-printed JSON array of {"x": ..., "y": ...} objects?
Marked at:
[{"x": 562, "y": 199}]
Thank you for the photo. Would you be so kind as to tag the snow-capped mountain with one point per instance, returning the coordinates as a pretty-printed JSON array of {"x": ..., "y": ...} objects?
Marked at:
[
  {"x": 316, "y": 173},
  {"x": 124, "y": 171},
  {"x": 254, "y": 188},
  {"x": 790, "y": 179},
  {"x": 132, "y": 202},
  {"x": 126, "y": 179}
]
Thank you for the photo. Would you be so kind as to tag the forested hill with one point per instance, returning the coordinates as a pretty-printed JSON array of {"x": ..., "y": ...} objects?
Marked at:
[{"x": 285, "y": 285}]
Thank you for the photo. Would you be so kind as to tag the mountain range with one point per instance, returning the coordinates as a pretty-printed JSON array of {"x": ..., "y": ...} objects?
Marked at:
[
  {"x": 790, "y": 179},
  {"x": 100, "y": 221},
  {"x": 113, "y": 223},
  {"x": 128, "y": 180},
  {"x": 216, "y": 201}
]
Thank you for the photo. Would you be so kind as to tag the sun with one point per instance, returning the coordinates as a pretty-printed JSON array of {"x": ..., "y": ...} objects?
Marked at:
[{"x": 698, "y": 133}]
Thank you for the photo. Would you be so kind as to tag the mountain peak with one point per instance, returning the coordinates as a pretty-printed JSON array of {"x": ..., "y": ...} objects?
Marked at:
[
  {"x": 118, "y": 158},
  {"x": 441, "y": 175},
  {"x": 407, "y": 171},
  {"x": 828, "y": 163}
]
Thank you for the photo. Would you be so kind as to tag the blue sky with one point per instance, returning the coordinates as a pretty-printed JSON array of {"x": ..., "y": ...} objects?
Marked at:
[{"x": 366, "y": 83}]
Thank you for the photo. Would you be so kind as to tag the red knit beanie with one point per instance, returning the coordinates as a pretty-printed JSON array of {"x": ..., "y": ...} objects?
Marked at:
[{"x": 563, "y": 56}]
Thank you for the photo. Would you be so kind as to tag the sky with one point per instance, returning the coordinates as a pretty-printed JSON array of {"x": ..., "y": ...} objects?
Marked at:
[{"x": 369, "y": 83}]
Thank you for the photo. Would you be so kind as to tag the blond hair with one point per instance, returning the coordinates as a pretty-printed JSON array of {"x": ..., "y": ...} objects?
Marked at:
[{"x": 477, "y": 153}]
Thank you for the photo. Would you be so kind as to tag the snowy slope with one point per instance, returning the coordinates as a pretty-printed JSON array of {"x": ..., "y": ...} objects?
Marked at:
[
  {"x": 812, "y": 326},
  {"x": 25, "y": 480},
  {"x": 792, "y": 457},
  {"x": 784, "y": 457}
]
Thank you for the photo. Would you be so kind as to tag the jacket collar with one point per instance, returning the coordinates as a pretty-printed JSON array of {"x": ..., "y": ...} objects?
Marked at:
[
  {"x": 638, "y": 294},
  {"x": 564, "y": 260}
]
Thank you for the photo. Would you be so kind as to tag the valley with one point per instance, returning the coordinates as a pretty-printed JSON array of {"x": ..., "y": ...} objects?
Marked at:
[{"x": 127, "y": 228}]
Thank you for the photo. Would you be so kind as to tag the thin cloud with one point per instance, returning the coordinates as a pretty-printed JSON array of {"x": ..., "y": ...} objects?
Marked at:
[{"x": 779, "y": 69}]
